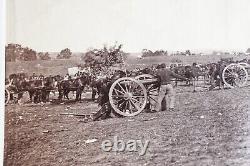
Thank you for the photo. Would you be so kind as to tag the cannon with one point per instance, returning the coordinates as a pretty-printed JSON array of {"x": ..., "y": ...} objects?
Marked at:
[{"x": 129, "y": 96}]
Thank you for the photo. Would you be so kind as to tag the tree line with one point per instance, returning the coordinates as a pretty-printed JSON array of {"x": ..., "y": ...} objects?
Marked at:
[{"x": 16, "y": 52}]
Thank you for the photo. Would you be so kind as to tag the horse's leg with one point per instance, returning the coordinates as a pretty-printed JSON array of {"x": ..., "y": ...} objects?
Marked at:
[
  {"x": 176, "y": 82},
  {"x": 30, "y": 95},
  {"x": 67, "y": 94},
  {"x": 19, "y": 96},
  {"x": 93, "y": 93},
  {"x": 60, "y": 94},
  {"x": 77, "y": 93},
  {"x": 194, "y": 84},
  {"x": 35, "y": 97},
  {"x": 48, "y": 93},
  {"x": 80, "y": 95},
  {"x": 47, "y": 96}
]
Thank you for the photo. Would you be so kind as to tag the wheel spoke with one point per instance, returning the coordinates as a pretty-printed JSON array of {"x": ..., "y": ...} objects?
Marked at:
[
  {"x": 229, "y": 79},
  {"x": 126, "y": 106},
  {"x": 230, "y": 72},
  {"x": 135, "y": 105},
  {"x": 121, "y": 106},
  {"x": 117, "y": 101},
  {"x": 119, "y": 91},
  {"x": 126, "y": 88},
  {"x": 151, "y": 94},
  {"x": 139, "y": 95},
  {"x": 121, "y": 87},
  {"x": 122, "y": 96},
  {"x": 152, "y": 98},
  {"x": 153, "y": 90},
  {"x": 135, "y": 100}
]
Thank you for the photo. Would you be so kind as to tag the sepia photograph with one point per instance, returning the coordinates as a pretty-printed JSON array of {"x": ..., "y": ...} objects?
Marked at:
[{"x": 126, "y": 82}]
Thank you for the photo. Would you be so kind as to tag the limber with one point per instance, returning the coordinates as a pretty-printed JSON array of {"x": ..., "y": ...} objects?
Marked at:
[{"x": 122, "y": 146}]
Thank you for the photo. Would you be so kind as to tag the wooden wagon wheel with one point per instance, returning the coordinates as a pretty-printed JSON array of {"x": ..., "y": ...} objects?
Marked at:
[
  {"x": 7, "y": 96},
  {"x": 234, "y": 75},
  {"x": 151, "y": 87},
  {"x": 127, "y": 96}
]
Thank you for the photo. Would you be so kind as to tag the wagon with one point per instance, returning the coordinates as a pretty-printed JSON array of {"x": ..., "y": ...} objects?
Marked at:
[
  {"x": 8, "y": 90},
  {"x": 129, "y": 96}
]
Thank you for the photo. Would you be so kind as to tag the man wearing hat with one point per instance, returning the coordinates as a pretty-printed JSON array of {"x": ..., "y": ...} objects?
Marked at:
[{"x": 166, "y": 88}]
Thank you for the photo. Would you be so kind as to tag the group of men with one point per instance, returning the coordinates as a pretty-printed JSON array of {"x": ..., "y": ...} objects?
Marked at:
[{"x": 36, "y": 77}]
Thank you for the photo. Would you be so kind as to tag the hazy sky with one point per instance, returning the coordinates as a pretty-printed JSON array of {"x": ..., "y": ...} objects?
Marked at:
[{"x": 51, "y": 25}]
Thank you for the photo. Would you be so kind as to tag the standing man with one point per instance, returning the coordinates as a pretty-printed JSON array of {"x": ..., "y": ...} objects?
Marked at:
[{"x": 166, "y": 88}]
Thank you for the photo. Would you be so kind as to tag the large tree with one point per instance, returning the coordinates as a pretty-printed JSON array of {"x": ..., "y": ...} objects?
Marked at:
[
  {"x": 64, "y": 54},
  {"x": 248, "y": 50},
  {"x": 102, "y": 59},
  {"x": 44, "y": 56},
  {"x": 15, "y": 52}
]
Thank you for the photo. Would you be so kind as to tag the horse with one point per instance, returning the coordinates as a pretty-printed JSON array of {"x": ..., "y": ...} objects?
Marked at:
[
  {"x": 193, "y": 72},
  {"x": 78, "y": 84}
]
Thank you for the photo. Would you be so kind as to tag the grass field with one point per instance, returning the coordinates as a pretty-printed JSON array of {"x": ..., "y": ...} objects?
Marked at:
[{"x": 55, "y": 67}]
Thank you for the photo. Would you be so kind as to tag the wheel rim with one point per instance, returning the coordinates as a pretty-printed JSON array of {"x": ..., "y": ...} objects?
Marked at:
[
  {"x": 7, "y": 96},
  {"x": 127, "y": 96},
  {"x": 152, "y": 89},
  {"x": 234, "y": 75}
]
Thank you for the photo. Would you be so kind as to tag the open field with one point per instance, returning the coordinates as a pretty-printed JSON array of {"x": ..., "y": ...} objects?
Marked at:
[
  {"x": 207, "y": 128},
  {"x": 55, "y": 67}
]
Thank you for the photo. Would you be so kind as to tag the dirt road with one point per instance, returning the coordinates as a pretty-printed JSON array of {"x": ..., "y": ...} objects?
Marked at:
[{"x": 207, "y": 128}]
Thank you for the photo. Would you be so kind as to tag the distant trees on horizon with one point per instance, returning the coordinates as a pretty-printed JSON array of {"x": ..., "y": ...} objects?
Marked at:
[
  {"x": 17, "y": 52},
  {"x": 14, "y": 52},
  {"x": 44, "y": 56},
  {"x": 64, "y": 54},
  {"x": 148, "y": 53}
]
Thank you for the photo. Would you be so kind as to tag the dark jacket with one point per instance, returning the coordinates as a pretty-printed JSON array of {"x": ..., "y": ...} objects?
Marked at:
[{"x": 166, "y": 75}]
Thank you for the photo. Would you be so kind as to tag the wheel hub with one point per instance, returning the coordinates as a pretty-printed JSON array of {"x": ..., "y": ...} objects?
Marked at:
[
  {"x": 236, "y": 75},
  {"x": 128, "y": 96}
]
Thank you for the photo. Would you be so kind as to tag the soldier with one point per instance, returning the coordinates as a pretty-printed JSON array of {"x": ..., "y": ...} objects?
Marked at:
[
  {"x": 166, "y": 88},
  {"x": 41, "y": 77},
  {"x": 33, "y": 77},
  {"x": 66, "y": 77}
]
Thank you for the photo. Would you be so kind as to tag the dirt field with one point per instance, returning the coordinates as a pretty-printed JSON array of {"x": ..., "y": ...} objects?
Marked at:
[{"x": 207, "y": 128}]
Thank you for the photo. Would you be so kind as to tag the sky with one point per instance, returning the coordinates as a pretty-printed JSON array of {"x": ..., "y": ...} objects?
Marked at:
[{"x": 52, "y": 25}]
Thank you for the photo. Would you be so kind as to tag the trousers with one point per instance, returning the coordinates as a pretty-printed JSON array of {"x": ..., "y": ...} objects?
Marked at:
[{"x": 166, "y": 91}]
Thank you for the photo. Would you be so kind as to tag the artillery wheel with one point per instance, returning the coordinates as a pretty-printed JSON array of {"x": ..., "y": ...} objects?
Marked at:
[
  {"x": 7, "y": 96},
  {"x": 246, "y": 66},
  {"x": 152, "y": 89},
  {"x": 127, "y": 96},
  {"x": 234, "y": 75}
]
